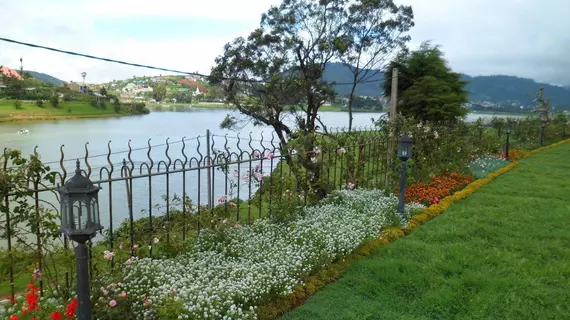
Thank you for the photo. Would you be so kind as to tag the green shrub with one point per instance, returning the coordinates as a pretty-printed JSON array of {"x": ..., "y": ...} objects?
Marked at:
[
  {"x": 54, "y": 100},
  {"x": 40, "y": 103},
  {"x": 18, "y": 104}
]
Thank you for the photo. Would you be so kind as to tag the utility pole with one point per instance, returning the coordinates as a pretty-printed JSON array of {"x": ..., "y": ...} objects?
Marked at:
[
  {"x": 391, "y": 123},
  {"x": 22, "y": 76},
  {"x": 394, "y": 94},
  {"x": 83, "y": 75}
]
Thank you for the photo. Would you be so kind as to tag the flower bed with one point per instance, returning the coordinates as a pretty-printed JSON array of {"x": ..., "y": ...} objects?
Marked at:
[
  {"x": 32, "y": 307},
  {"x": 483, "y": 165},
  {"x": 436, "y": 188},
  {"x": 230, "y": 273},
  {"x": 514, "y": 154}
]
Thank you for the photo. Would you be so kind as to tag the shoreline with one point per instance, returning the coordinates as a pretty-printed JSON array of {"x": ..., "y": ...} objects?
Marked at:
[
  {"x": 222, "y": 106},
  {"x": 34, "y": 117},
  {"x": 173, "y": 106},
  {"x": 20, "y": 119}
]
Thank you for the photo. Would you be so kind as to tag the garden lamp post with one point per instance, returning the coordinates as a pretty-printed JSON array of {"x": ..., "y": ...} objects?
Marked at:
[
  {"x": 80, "y": 222},
  {"x": 405, "y": 145},
  {"x": 542, "y": 127},
  {"x": 508, "y": 132}
]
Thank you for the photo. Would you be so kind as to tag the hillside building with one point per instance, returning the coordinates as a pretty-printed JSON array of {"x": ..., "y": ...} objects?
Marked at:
[{"x": 11, "y": 73}]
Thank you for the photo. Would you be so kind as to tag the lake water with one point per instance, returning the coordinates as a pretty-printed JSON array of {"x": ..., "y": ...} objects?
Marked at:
[{"x": 157, "y": 126}]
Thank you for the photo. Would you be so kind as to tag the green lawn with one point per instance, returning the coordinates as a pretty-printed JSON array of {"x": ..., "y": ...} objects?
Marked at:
[
  {"x": 503, "y": 253},
  {"x": 30, "y": 111}
]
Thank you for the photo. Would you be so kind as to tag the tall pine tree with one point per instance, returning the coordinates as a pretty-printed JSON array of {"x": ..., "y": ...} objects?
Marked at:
[{"x": 427, "y": 88}]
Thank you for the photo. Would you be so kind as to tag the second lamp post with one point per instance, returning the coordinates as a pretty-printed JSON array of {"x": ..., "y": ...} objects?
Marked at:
[
  {"x": 508, "y": 132},
  {"x": 80, "y": 222},
  {"x": 405, "y": 145}
]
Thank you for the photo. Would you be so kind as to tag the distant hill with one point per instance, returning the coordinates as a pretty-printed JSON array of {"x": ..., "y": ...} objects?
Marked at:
[
  {"x": 504, "y": 89},
  {"x": 497, "y": 89},
  {"x": 45, "y": 78},
  {"x": 339, "y": 73}
]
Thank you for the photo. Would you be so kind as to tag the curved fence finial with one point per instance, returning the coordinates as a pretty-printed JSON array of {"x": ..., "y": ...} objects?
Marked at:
[
  {"x": 109, "y": 158},
  {"x": 198, "y": 149},
  {"x": 129, "y": 157},
  {"x": 61, "y": 164},
  {"x": 148, "y": 155},
  {"x": 86, "y": 160},
  {"x": 166, "y": 152},
  {"x": 238, "y": 144},
  {"x": 183, "y": 152}
]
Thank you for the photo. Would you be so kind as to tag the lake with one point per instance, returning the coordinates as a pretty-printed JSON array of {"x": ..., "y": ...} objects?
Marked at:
[{"x": 157, "y": 126}]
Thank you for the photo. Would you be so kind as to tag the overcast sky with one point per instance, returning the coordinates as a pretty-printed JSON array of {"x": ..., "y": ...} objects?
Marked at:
[{"x": 479, "y": 37}]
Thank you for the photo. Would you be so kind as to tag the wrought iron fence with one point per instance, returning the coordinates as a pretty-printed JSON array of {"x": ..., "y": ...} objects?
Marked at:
[{"x": 169, "y": 191}]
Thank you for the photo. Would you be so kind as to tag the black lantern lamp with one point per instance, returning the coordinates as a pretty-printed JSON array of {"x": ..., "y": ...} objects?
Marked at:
[
  {"x": 405, "y": 145},
  {"x": 80, "y": 222},
  {"x": 79, "y": 208}
]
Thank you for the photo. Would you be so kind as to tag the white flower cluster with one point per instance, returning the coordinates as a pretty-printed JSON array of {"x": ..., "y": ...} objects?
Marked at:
[{"x": 227, "y": 276}]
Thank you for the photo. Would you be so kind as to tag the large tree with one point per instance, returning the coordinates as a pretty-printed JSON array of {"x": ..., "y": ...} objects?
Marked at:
[
  {"x": 277, "y": 71},
  {"x": 374, "y": 30},
  {"x": 427, "y": 87}
]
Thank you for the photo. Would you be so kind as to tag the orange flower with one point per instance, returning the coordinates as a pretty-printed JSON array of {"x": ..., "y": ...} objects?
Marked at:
[{"x": 436, "y": 188}]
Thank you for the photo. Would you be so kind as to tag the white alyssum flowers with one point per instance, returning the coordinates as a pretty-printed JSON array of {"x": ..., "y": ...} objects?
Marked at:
[{"x": 227, "y": 276}]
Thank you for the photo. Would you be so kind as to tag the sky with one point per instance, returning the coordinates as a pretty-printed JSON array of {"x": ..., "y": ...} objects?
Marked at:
[{"x": 478, "y": 37}]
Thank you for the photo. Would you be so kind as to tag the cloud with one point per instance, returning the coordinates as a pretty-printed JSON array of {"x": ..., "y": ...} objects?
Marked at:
[
  {"x": 244, "y": 10},
  {"x": 33, "y": 22},
  {"x": 515, "y": 37}
]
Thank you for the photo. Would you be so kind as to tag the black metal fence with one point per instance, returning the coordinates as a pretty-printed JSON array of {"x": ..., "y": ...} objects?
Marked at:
[{"x": 167, "y": 192}]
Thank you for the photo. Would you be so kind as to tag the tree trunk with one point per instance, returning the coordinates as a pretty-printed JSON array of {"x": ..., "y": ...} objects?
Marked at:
[{"x": 350, "y": 100}]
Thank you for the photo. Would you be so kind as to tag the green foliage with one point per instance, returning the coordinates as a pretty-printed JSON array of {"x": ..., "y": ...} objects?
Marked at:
[
  {"x": 20, "y": 217},
  {"x": 373, "y": 30},
  {"x": 159, "y": 91},
  {"x": 18, "y": 104},
  {"x": 133, "y": 108},
  {"x": 283, "y": 51},
  {"x": 40, "y": 103},
  {"x": 54, "y": 100},
  {"x": 427, "y": 88},
  {"x": 543, "y": 109}
]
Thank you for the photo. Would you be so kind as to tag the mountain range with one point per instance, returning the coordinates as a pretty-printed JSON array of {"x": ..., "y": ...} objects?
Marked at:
[
  {"x": 45, "y": 78},
  {"x": 497, "y": 89}
]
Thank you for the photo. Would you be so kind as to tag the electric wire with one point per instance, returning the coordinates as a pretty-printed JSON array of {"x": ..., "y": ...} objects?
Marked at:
[{"x": 153, "y": 67}]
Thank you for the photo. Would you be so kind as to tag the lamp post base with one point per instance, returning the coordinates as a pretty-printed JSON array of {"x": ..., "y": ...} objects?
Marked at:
[
  {"x": 401, "y": 196},
  {"x": 83, "y": 290}
]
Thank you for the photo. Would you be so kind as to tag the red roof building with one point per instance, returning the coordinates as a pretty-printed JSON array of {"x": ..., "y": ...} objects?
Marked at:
[
  {"x": 193, "y": 84},
  {"x": 7, "y": 72}
]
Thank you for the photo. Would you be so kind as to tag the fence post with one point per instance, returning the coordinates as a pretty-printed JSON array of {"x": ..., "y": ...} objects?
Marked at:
[{"x": 208, "y": 163}]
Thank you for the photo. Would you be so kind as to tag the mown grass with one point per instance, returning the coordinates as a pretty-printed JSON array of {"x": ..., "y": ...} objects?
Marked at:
[
  {"x": 500, "y": 254},
  {"x": 29, "y": 111}
]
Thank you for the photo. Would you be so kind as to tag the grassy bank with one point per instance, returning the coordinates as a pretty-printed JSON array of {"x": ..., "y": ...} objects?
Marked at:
[
  {"x": 30, "y": 111},
  {"x": 500, "y": 254}
]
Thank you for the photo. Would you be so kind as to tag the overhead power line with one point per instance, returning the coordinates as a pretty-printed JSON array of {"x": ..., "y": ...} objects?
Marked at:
[{"x": 148, "y": 66}]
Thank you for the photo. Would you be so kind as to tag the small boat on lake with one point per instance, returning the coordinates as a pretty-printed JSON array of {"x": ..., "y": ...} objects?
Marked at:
[{"x": 23, "y": 131}]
